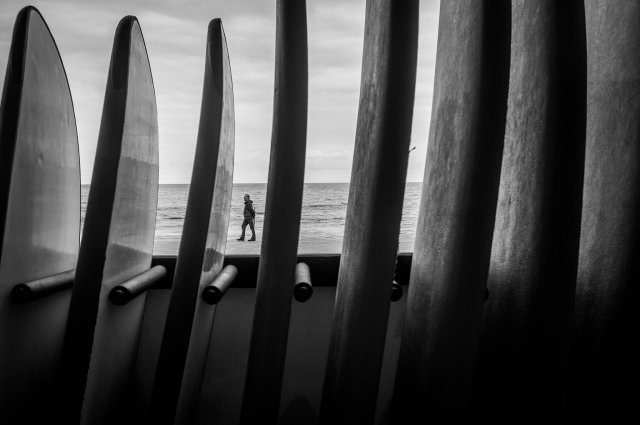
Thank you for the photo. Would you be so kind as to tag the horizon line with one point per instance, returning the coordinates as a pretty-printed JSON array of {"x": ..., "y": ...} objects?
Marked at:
[{"x": 159, "y": 184}]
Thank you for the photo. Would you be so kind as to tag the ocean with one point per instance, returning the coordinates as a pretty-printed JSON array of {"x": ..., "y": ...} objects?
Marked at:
[{"x": 324, "y": 209}]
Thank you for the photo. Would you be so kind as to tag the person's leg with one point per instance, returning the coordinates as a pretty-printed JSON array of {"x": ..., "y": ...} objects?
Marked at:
[
  {"x": 253, "y": 231},
  {"x": 244, "y": 226}
]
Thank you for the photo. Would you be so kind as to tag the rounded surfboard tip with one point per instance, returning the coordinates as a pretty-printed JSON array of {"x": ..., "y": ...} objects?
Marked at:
[
  {"x": 20, "y": 37},
  {"x": 13, "y": 91},
  {"x": 215, "y": 23},
  {"x": 215, "y": 32},
  {"x": 128, "y": 21},
  {"x": 127, "y": 33},
  {"x": 120, "y": 54},
  {"x": 216, "y": 27},
  {"x": 18, "y": 44},
  {"x": 218, "y": 55},
  {"x": 25, "y": 11}
]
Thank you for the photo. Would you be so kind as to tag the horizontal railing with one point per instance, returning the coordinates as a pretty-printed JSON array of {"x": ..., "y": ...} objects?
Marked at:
[{"x": 323, "y": 268}]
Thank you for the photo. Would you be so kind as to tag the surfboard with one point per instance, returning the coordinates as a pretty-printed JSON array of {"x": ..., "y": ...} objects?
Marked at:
[
  {"x": 531, "y": 282},
  {"x": 455, "y": 224},
  {"x": 283, "y": 206},
  {"x": 605, "y": 352},
  {"x": 187, "y": 330},
  {"x": 374, "y": 211},
  {"x": 39, "y": 215},
  {"x": 101, "y": 339}
]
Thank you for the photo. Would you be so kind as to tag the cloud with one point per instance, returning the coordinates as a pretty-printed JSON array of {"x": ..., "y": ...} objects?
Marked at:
[{"x": 175, "y": 36}]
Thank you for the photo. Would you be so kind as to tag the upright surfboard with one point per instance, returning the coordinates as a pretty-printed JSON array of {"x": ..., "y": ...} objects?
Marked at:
[
  {"x": 374, "y": 211},
  {"x": 455, "y": 223},
  {"x": 187, "y": 331},
  {"x": 526, "y": 320},
  {"x": 278, "y": 255},
  {"x": 607, "y": 321},
  {"x": 101, "y": 339},
  {"x": 39, "y": 215}
]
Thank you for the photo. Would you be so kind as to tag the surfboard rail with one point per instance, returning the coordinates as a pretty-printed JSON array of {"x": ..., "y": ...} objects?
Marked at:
[{"x": 128, "y": 290}]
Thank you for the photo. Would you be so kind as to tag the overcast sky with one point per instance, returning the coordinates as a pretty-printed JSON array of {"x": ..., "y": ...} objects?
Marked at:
[{"x": 175, "y": 35}]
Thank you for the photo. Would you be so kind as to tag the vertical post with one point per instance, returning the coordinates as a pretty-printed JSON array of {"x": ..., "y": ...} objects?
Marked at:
[
  {"x": 278, "y": 256},
  {"x": 455, "y": 224},
  {"x": 373, "y": 213},
  {"x": 607, "y": 319},
  {"x": 531, "y": 284}
]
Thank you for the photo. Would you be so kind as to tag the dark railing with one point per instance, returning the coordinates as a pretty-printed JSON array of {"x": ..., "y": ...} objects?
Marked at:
[
  {"x": 213, "y": 293},
  {"x": 28, "y": 291},
  {"x": 135, "y": 286},
  {"x": 303, "y": 288}
]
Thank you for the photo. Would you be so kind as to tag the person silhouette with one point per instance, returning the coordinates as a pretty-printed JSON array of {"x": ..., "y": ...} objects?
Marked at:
[{"x": 249, "y": 214}]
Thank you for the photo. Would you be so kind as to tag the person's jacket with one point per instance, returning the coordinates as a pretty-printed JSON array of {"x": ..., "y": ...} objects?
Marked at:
[{"x": 249, "y": 213}]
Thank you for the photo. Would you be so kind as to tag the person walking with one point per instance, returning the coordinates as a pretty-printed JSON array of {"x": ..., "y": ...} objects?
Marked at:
[{"x": 249, "y": 215}]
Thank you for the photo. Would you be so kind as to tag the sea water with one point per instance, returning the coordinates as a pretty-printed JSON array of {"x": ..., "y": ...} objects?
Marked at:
[{"x": 324, "y": 209}]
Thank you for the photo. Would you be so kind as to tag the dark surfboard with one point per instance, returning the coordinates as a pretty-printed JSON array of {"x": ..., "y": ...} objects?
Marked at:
[
  {"x": 457, "y": 211},
  {"x": 101, "y": 339},
  {"x": 39, "y": 215},
  {"x": 525, "y": 332},
  {"x": 278, "y": 255},
  {"x": 187, "y": 331},
  {"x": 374, "y": 212},
  {"x": 607, "y": 319}
]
